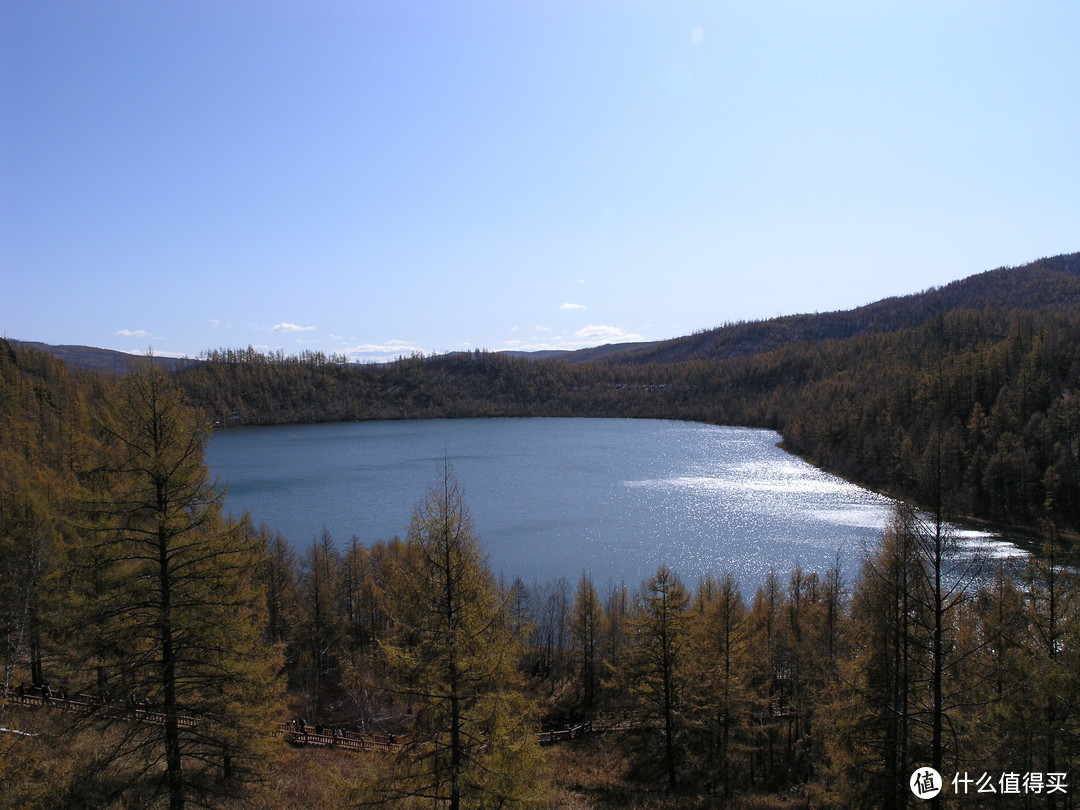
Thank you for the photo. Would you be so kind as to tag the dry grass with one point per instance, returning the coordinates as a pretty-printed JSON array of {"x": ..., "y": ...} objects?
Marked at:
[
  {"x": 589, "y": 773},
  {"x": 593, "y": 773}
]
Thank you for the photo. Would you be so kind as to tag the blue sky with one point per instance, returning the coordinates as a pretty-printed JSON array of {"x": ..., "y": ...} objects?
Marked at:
[{"x": 379, "y": 178}]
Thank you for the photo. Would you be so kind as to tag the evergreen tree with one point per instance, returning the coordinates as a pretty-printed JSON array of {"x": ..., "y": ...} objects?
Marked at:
[{"x": 320, "y": 628}]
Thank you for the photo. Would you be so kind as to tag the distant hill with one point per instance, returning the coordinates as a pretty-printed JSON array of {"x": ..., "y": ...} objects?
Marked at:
[
  {"x": 106, "y": 361},
  {"x": 1050, "y": 282},
  {"x": 1047, "y": 283}
]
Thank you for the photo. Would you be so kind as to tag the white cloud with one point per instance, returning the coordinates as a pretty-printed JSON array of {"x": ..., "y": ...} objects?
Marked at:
[
  {"x": 139, "y": 333},
  {"x": 606, "y": 334},
  {"x": 588, "y": 336},
  {"x": 156, "y": 353},
  {"x": 381, "y": 352},
  {"x": 572, "y": 306},
  {"x": 291, "y": 327},
  {"x": 526, "y": 346}
]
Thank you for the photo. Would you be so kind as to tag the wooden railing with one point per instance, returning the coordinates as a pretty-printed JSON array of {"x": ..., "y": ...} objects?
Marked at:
[
  {"x": 564, "y": 734},
  {"x": 45, "y": 697},
  {"x": 294, "y": 732}
]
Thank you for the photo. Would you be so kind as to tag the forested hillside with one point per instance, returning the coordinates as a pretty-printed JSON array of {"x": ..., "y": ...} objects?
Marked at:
[
  {"x": 965, "y": 394},
  {"x": 155, "y": 654},
  {"x": 1050, "y": 282}
]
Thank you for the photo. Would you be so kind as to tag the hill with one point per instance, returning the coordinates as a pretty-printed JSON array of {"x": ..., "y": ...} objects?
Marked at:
[
  {"x": 1048, "y": 282},
  {"x": 103, "y": 361}
]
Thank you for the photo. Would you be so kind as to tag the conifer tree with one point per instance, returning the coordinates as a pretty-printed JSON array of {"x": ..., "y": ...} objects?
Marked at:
[
  {"x": 655, "y": 669},
  {"x": 586, "y": 634},
  {"x": 452, "y": 655},
  {"x": 169, "y": 610},
  {"x": 321, "y": 627},
  {"x": 717, "y": 676},
  {"x": 874, "y": 735}
]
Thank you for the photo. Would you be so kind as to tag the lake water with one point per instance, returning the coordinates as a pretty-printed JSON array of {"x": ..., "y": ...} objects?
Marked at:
[{"x": 554, "y": 497}]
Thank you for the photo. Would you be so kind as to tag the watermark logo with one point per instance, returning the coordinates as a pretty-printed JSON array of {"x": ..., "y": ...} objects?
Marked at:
[{"x": 925, "y": 783}]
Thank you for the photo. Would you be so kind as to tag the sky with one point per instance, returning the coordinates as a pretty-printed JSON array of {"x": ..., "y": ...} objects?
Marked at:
[{"x": 383, "y": 178}]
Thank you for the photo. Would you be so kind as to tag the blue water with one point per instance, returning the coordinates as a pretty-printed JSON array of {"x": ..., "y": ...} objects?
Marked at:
[{"x": 554, "y": 497}]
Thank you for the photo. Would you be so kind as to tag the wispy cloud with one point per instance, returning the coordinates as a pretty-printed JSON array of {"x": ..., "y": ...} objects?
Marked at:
[
  {"x": 572, "y": 306},
  {"x": 137, "y": 333},
  {"x": 291, "y": 327}
]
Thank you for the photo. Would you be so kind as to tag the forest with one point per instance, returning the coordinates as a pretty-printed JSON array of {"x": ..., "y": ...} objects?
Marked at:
[{"x": 158, "y": 654}]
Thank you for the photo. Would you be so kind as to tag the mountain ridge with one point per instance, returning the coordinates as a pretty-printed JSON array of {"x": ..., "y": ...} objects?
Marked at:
[{"x": 1050, "y": 281}]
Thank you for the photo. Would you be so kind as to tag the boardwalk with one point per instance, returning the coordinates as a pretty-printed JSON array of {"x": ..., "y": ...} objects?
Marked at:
[
  {"x": 44, "y": 697},
  {"x": 294, "y": 732}
]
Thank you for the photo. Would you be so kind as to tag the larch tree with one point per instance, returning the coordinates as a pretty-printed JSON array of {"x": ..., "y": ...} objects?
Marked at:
[
  {"x": 321, "y": 627},
  {"x": 586, "y": 637},
  {"x": 654, "y": 669},
  {"x": 452, "y": 655},
  {"x": 875, "y": 736},
  {"x": 169, "y": 610},
  {"x": 718, "y": 690}
]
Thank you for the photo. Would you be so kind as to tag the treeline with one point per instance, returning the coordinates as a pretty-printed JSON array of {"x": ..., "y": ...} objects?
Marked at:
[
  {"x": 269, "y": 389},
  {"x": 980, "y": 404},
  {"x": 123, "y": 583}
]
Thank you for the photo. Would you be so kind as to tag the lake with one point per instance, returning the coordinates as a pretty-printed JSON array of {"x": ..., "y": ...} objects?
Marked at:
[{"x": 554, "y": 497}]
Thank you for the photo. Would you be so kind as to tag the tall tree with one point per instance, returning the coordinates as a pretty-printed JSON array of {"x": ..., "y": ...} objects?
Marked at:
[
  {"x": 874, "y": 737},
  {"x": 718, "y": 689},
  {"x": 654, "y": 667},
  {"x": 321, "y": 622},
  {"x": 452, "y": 654},
  {"x": 586, "y": 635},
  {"x": 170, "y": 606}
]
